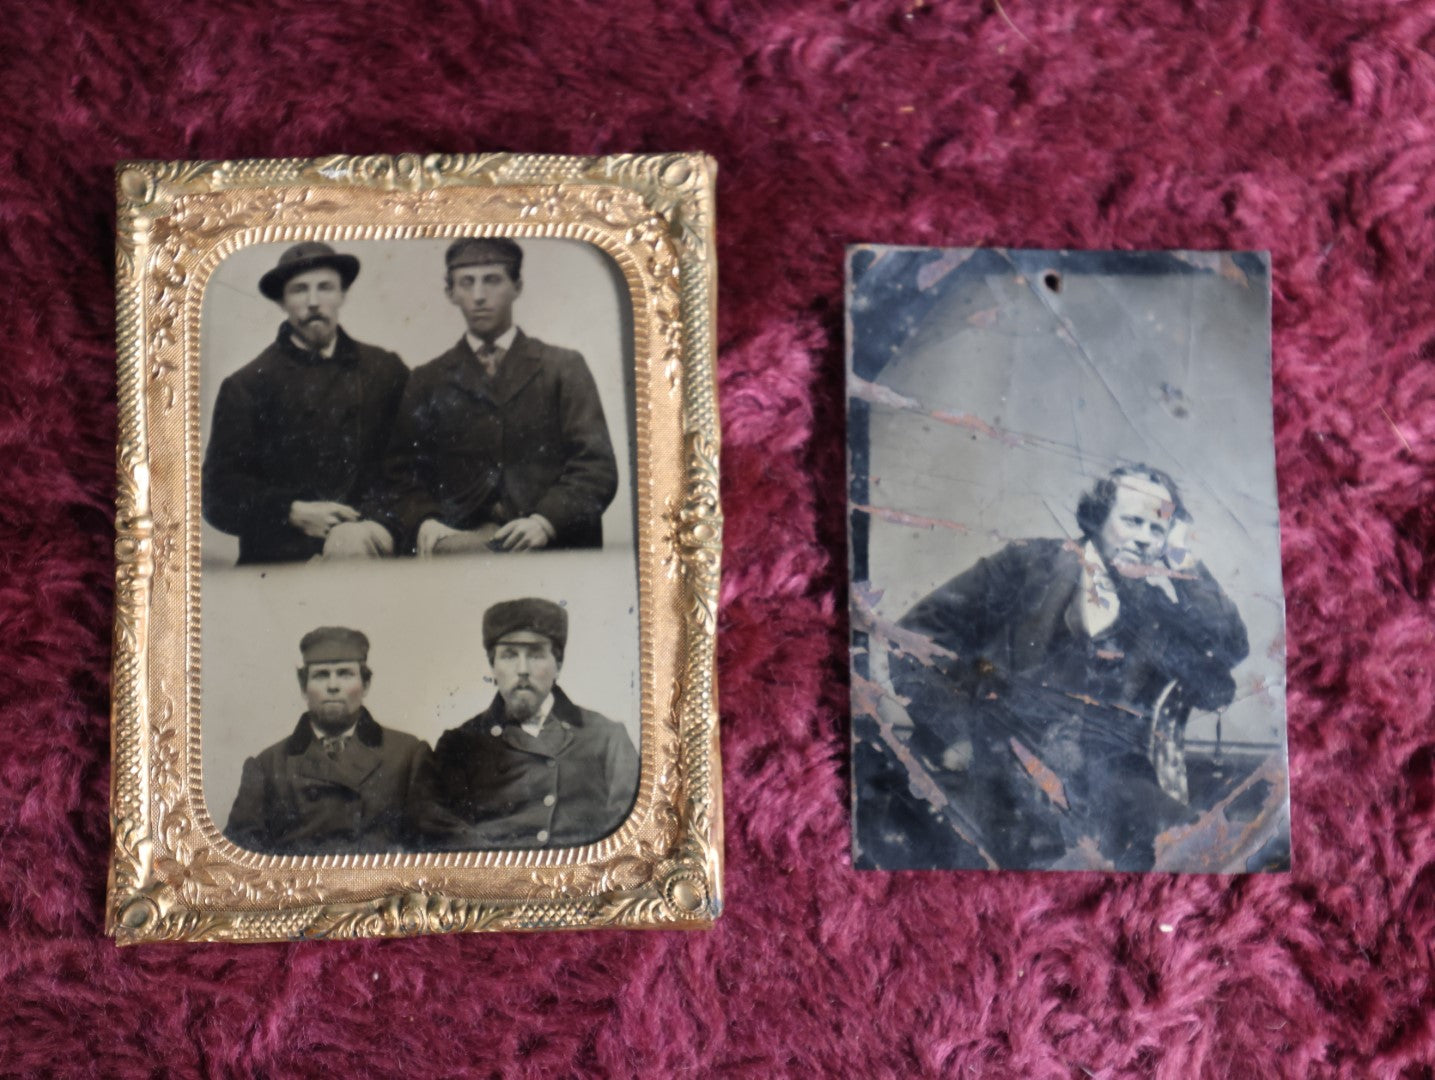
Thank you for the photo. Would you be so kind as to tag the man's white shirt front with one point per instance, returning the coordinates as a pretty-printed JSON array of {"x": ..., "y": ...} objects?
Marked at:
[
  {"x": 534, "y": 724},
  {"x": 503, "y": 342}
]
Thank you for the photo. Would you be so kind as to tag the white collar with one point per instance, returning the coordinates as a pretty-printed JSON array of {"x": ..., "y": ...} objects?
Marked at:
[
  {"x": 534, "y": 724},
  {"x": 1098, "y": 597},
  {"x": 1091, "y": 555},
  {"x": 346, "y": 733},
  {"x": 504, "y": 340}
]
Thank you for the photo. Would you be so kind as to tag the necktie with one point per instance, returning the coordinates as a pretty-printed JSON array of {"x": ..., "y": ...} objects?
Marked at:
[
  {"x": 488, "y": 356},
  {"x": 334, "y": 746}
]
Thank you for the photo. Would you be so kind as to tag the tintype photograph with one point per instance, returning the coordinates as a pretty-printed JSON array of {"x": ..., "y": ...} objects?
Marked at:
[
  {"x": 1068, "y": 645},
  {"x": 338, "y": 481},
  {"x": 415, "y": 397},
  {"x": 419, "y": 533}
]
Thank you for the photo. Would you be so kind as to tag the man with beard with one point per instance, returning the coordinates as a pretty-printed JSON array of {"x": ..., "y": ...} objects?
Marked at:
[
  {"x": 296, "y": 447},
  {"x": 340, "y": 783},
  {"x": 534, "y": 770},
  {"x": 1058, "y": 661},
  {"x": 500, "y": 443}
]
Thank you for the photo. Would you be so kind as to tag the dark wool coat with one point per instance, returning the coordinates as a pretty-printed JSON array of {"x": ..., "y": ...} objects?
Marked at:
[
  {"x": 1018, "y": 672},
  {"x": 469, "y": 450},
  {"x": 293, "y": 425},
  {"x": 295, "y": 800},
  {"x": 571, "y": 784}
]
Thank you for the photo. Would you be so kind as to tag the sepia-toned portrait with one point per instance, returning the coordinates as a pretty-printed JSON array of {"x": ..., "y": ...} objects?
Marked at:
[
  {"x": 418, "y": 536},
  {"x": 1068, "y": 625},
  {"x": 350, "y": 499}
]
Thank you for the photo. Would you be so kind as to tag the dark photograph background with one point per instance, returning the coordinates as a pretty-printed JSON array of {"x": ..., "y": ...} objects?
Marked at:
[{"x": 1302, "y": 128}]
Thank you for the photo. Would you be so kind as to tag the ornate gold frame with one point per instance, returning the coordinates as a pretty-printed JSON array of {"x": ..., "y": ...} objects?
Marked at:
[{"x": 173, "y": 876}]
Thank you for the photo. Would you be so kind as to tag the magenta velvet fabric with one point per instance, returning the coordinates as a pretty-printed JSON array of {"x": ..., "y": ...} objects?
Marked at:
[{"x": 1303, "y": 126}]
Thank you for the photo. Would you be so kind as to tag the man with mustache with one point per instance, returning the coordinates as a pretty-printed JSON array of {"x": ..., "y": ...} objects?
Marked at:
[
  {"x": 297, "y": 442},
  {"x": 340, "y": 783},
  {"x": 500, "y": 443},
  {"x": 533, "y": 770},
  {"x": 1063, "y": 673}
]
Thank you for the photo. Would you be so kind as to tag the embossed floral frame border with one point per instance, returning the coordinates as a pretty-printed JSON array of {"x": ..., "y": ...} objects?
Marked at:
[{"x": 173, "y": 876}]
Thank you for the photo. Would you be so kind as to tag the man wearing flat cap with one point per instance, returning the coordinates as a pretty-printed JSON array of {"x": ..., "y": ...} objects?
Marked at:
[
  {"x": 297, "y": 443},
  {"x": 501, "y": 443},
  {"x": 340, "y": 783},
  {"x": 534, "y": 770}
]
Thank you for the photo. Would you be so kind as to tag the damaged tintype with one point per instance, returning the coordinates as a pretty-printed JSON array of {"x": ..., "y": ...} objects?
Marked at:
[{"x": 1068, "y": 644}]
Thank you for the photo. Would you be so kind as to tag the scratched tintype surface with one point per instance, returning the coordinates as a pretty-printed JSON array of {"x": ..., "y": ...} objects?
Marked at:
[{"x": 1068, "y": 644}]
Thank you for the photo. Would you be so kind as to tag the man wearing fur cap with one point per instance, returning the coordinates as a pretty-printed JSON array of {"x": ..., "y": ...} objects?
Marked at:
[
  {"x": 534, "y": 770},
  {"x": 296, "y": 446},
  {"x": 340, "y": 783}
]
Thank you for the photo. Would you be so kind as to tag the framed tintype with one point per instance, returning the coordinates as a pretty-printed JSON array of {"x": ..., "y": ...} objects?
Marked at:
[
  {"x": 418, "y": 545},
  {"x": 1068, "y": 646}
]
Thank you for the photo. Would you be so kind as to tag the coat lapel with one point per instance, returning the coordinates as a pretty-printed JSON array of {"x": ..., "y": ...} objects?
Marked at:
[
  {"x": 515, "y": 371},
  {"x": 356, "y": 764},
  {"x": 465, "y": 372},
  {"x": 519, "y": 366},
  {"x": 362, "y": 754},
  {"x": 1039, "y": 627}
]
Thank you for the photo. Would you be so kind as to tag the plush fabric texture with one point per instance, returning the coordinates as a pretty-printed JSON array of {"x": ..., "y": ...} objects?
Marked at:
[{"x": 1302, "y": 126}]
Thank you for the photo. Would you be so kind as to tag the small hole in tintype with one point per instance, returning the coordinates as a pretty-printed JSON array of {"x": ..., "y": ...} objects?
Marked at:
[{"x": 1052, "y": 281}]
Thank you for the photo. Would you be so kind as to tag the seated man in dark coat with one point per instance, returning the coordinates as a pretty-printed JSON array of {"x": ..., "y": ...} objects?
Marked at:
[
  {"x": 340, "y": 783},
  {"x": 297, "y": 443},
  {"x": 1060, "y": 657},
  {"x": 534, "y": 770},
  {"x": 501, "y": 443}
]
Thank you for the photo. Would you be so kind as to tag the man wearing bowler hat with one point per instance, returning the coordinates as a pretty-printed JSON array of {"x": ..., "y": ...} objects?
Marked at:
[
  {"x": 296, "y": 447},
  {"x": 500, "y": 443},
  {"x": 340, "y": 783},
  {"x": 534, "y": 770}
]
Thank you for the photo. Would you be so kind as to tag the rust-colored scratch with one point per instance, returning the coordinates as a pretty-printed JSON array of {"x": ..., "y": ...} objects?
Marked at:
[
  {"x": 866, "y": 596},
  {"x": 860, "y": 388},
  {"x": 1210, "y": 262},
  {"x": 1041, "y": 772},
  {"x": 867, "y": 699},
  {"x": 1150, "y": 570},
  {"x": 918, "y": 646},
  {"x": 880, "y": 395},
  {"x": 1085, "y": 854},
  {"x": 1398, "y": 434},
  {"x": 1228, "y": 269},
  {"x": 931, "y": 273},
  {"x": 1110, "y": 654},
  {"x": 901, "y": 517},
  {"x": 1259, "y": 688},
  {"x": 1277, "y": 647},
  {"x": 967, "y": 420},
  {"x": 1087, "y": 699},
  {"x": 1213, "y": 845}
]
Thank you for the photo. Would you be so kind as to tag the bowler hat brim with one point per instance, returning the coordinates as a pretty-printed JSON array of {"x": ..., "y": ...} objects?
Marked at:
[{"x": 272, "y": 284}]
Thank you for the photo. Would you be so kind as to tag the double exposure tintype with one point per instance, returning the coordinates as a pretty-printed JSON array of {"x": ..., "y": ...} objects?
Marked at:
[{"x": 1067, "y": 616}]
